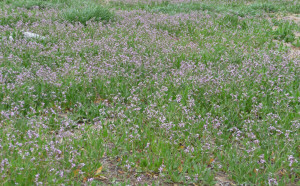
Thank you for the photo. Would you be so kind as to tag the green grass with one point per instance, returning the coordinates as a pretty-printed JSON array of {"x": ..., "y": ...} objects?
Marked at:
[
  {"x": 168, "y": 93},
  {"x": 71, "y": 10},
  {"x": 241, "y": 8},
  {"x": 285, "y": 32},
  {"x": 29, "y": 4},
  {"x": 82, "y": 15}
]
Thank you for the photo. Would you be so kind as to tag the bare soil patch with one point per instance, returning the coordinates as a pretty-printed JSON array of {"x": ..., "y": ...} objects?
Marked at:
[{"x": 293, "y": 17}]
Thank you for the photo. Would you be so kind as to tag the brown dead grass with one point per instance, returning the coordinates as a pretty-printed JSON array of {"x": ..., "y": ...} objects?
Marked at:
[
  {"x": 223, "y": 180},
  {"x": 293, "y": 17}
]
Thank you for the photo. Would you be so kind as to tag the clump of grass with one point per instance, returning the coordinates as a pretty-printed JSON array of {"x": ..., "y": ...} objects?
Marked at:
[
  {"x": 267, "y": 7},
  {"x": 296, "y": 43},
  {"x": 29, "y": 4},
  {"x": 284, "y": 32},
  {"x": 82, "y": 15}
]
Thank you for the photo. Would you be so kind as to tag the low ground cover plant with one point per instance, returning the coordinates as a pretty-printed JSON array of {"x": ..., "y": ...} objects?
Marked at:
[{"x": 135, "y": 92}]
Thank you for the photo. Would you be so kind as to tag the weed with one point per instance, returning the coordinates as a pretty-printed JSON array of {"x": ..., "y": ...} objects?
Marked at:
[
  {"x": 82, "y": 15},
  {"x": 285, "y": 32}
]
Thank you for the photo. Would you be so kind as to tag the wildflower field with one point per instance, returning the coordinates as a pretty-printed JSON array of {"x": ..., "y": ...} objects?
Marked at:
[{"x": 150, "y": 92}]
